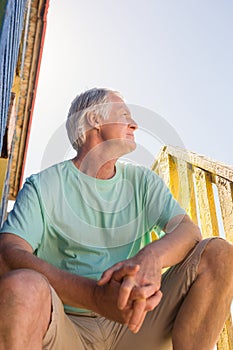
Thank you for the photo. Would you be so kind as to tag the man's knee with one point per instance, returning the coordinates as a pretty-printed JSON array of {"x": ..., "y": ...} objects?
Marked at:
[
  {"x": 25, "y": 287},
  {"x": 217, "y": 259}
]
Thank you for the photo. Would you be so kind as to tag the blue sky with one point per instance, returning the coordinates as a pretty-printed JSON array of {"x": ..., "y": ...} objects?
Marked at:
[{"x": 174, "y": 58}]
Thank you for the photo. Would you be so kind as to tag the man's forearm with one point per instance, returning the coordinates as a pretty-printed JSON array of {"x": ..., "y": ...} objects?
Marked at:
[
  {"x": 174, "y": 246},
  {"x": 140, "y": 276},
  {"x": 73, "y": 290}
]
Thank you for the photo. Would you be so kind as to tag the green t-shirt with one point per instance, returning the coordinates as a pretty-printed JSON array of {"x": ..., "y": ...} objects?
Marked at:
[{"x": 84, "y": 225}]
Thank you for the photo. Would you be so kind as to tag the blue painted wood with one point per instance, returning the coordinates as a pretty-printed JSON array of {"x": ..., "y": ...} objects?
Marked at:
[{"x": 12, "y": 18}]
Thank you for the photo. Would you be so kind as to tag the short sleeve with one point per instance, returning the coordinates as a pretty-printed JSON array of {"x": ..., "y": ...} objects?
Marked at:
[
  {"x": 26, "y": 219},
  {"x": 161, "y": 205}
]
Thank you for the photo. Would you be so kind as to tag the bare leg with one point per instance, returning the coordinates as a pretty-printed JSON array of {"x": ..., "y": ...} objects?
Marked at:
[
  {"x": 25, "y": 308},
  {"x": 207, "y": 305}
]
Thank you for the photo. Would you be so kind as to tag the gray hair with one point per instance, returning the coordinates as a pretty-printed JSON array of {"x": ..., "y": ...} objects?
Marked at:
[{"x": 95, "y": 100}]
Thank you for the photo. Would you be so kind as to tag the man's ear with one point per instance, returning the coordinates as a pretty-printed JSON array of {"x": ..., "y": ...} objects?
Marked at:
[{"x": 93, "y": 120}]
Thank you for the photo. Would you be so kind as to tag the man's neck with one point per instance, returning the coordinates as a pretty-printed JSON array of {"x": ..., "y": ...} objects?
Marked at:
[{"x": 95, "y": 165}]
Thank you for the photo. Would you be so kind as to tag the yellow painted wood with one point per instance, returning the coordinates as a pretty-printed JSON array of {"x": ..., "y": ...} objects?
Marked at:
[
  {"x": 196, "y": 184},
  {"x": 225, "y": 341},
  {"x": 154, "y": 235},
  {"x": 180, "y": 180},
  {"x": 16, "y": 86},
  {"x": 161, "y": 166},
  {"x": 25, "y": 85},
  {"x": 186, "y": 196},
  {"x": 225, "y": 194},
  {"x": 206, "y": 203},
  {"x": 214, "y": 167},
  {"x": 184, "y": 189},
  {"x": 173, "y": 177},
  {"x": 229, "y": 327},
  {"x": 3, "y": 170},
  {"x": 11, "y": 121},
  {"x": 192, "y": 209}
]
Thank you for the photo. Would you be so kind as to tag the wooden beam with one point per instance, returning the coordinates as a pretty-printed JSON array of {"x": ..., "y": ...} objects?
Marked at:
[
  {"x": 225, "y": 194},
  {"x": 202, "y": 162},
  {"x": 206, "y": 203},
  {"x": 3, "y": 171}
]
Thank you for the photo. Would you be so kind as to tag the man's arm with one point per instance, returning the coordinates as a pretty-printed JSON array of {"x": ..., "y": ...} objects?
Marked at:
[
  {"x": 16, "y": 253},
  {"x": 74, "y": 290},
  {"x": 182, "y": 235}
]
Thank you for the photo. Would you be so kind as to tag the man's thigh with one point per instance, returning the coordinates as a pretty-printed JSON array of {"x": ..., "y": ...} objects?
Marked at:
[
  {"x": 157, "y": 327},
  {"x": 78, "y": 332},
  {"x": 96, "y": 332},
  {"x": 62, "y": 333}
]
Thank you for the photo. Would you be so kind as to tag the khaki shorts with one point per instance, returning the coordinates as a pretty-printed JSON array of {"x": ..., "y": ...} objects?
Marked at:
[{"x": 69, "y": 332}]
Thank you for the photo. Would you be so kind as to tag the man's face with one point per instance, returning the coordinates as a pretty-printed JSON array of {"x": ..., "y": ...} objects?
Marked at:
[{"x": 119, "y": 128}]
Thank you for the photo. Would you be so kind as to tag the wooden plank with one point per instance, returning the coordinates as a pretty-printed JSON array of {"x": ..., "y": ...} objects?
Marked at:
[
  {"x": 154, "y": 235},
  {"x": 225, "y": 194},
  {"x": 184, "y": 190},
  {"x": 229, "y": 327},
  {"x": 182, "y": 186},
  {"x": 186, "y": 195},
  {"x": 226, "y": 338},
  {"x": 29, "y": 66},
  {"x": 161, "y": 167},
  {"x": 174, "y": 184},
  {"x": 206, "y": 203},
  {"x": 178, "y": 175},
  {"x": 223, "y": 343},
  {"x": 3, "y": 170},
  {"x": 214, "y": 167},
  {"x": 192, "y": 209}
]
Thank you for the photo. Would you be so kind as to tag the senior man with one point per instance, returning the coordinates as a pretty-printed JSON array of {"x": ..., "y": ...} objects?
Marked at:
[{"x": 78, "y": 268}]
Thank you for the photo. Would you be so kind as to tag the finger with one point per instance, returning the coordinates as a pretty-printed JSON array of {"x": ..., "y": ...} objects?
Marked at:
[
  {"x": 135, "y": 325},
  {"x": 125, "y": 270},
  {"x": 137, "y": 328},
  {"x": 125, "y": 291},
  {"x": 118, "y": 271},
  {"x": 154, "y": 301},
  {"x": 138, "y": 315},
  {"x": 107, "y": 275},
  {"x": 143, "y": 292}
]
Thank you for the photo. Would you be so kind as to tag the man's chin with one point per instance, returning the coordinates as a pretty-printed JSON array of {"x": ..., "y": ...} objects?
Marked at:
[
  {"x": 123, "y": 147},
  {"x": 130, "y": 146}
]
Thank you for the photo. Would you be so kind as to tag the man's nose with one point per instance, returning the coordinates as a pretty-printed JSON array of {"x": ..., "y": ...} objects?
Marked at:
[{"x": 133, "y": 125}]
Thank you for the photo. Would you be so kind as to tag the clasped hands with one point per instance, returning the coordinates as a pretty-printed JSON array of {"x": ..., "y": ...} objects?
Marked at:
[{"x": 134, "y": 286}]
